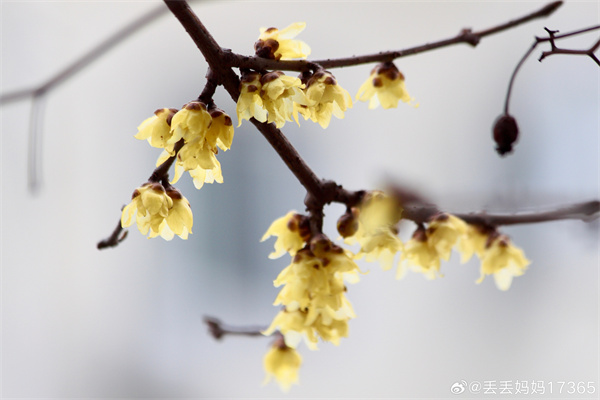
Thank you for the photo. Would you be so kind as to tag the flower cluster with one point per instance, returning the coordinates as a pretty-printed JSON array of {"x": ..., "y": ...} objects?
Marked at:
[
  {"x": 276, "y": 97},
  {"x": 385, "y": 86},
  {"x": 203, "y": 132},
  {"x": 158, "y": 211},
  {"x": 313, "y": 289}
]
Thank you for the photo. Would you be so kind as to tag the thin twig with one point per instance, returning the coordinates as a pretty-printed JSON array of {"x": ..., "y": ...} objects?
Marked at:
[
  {"x": 114, "y": 239},
  {"x": 217, "y": 329},
  {"x": 85, "y": 59},
  {"x": 465, "y": 36}
]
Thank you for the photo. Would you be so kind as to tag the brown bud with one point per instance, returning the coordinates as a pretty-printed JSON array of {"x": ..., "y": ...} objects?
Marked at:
[
  {"x": 347, "y": 224},
  {"x": 320, "y": 245},
  {"x": 506, "y": 133}
]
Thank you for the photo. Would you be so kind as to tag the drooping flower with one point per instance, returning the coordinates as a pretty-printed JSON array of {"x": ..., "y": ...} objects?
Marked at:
[
  {"x": 157, "y": 128},
  {"x": 250, "y": 104},
  {"x": 158, "y": 212},
  {"x": 282, "y": 363},
  {"x": 313, "y": 295},
  {"x": 504, "y": 261},
  {"x": 377, "y": 214},
  {"x": 280, "y": 45},
  {"x": 324, "y": 98},
  {"x": 292, "y": 231},
  {"x": 279, "y": 93},
  {"x": 420, "y": 255},
  {"x": 384, "y": 86},
  {"x": 190, "y": 123},
  {"x": 474, "y": 241},
  {"x": 220, "y": 132},
  {"x": 443, "y": 233}
]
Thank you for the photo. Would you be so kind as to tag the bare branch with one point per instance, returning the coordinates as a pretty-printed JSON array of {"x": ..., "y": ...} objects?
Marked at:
[
  {"x": 86, "y": 59},
  {"x": 217, "y": 329},
  {"x": 465, "y": 36},
  {"x": 116, "y": 237}
]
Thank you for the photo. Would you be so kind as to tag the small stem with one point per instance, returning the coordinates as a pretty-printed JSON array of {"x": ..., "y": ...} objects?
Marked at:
[{"x": 217, "y": 329}]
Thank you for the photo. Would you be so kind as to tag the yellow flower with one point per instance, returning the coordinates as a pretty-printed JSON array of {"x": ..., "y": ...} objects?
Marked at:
[
  {"x": 385, "y": 86},
  {"x": 444, "y": 232},
  {"x": 503, "y": 260},
  {"x": 282, "y": 363},
  {"x": 291, "y": 231},
  {"x": 164, "y": 213},
  {"x": 279, "y": 44},
  {"x": 189, "y": 123},
  {"x": 157, "y": 128},
  {"x": 313, "y": 294},
  {"x": 279, "y": 93},
  {"x": 220, "y": 131},
  {"x": 378, "y": 214},
  {"x": 324, "y": 98},
  {"x": 420, "y": 256},
  {"x": 250, "y": 103},
  {"x": 473, "y": 242}
]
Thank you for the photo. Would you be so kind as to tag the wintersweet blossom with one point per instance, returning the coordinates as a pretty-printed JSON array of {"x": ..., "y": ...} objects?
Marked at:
[
  {"x": 279, "y": 93},
  {"x": 159, "y": 212},
  {"x": 157, "y": 128},
  {"x": 291, "y": 231},
  {"x": 313, "y": 295},
  {"x": 504, "y": 261},
  {"x": 444, "y": 232},
  {"x": 250, "y": 104},
  {"x": 280, "y": 45},
  {"x": 220, "y": 132},
  {"x": 190, "y": 123},
  {"x": 384, "y": 86},
  {"x": 419, "y": 255},
  {"x": 377, "y": 214},
  {"x": 282, "y": 363},
  {"x": 324, "y": 98}
]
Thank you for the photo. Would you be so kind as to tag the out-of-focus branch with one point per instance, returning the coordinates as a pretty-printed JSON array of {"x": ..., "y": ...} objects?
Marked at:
[
  {"x": 85, "y": 59},
  {"x": 217, "y": 329},
  {"x": 465, "y": 36}
]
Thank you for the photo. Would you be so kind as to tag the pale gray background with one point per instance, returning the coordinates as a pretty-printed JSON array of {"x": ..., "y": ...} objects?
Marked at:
[{"x": 127, "y": 322}]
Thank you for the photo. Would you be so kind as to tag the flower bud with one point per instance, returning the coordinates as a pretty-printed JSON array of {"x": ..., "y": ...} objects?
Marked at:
[
  {"x": 506, "y": 133},
  {"x": 347, "y": 224}
]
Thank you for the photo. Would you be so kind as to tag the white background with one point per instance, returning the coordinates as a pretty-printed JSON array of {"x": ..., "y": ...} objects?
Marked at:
[{"x": 127, "y": 322}]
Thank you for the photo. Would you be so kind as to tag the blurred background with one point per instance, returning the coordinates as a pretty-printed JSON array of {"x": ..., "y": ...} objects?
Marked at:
[{"x": 127, "y": 322}]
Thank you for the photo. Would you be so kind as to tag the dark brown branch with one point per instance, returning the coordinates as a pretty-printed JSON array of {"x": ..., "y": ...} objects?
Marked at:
[
  {"x": 224, "y": 74},
  {"x": 217, "y": 329},
  {"x": 116, "y": 237},
  {"x": 465, "y": 36},
  {"x": 556, "y": 50}
]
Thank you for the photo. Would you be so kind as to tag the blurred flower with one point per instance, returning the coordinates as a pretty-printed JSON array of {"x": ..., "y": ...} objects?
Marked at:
[
  {"x": 164, "y": 213},
  {"x": 384, "y": 86},
  {"x": 420, "y": 256},
  {"x": 324, "y": 98},
  {"x": 291, "y": 230},
  {"x": 282, "y": 363},
  {"x": 503, "y": 260},
  {"x": 279, "y": 44},
  {"x": 444, "y": 232},
  {"x": 473, "y": 242},
  {"x": 157, "y": 128},
  {"x": 378, "y": 214}
]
